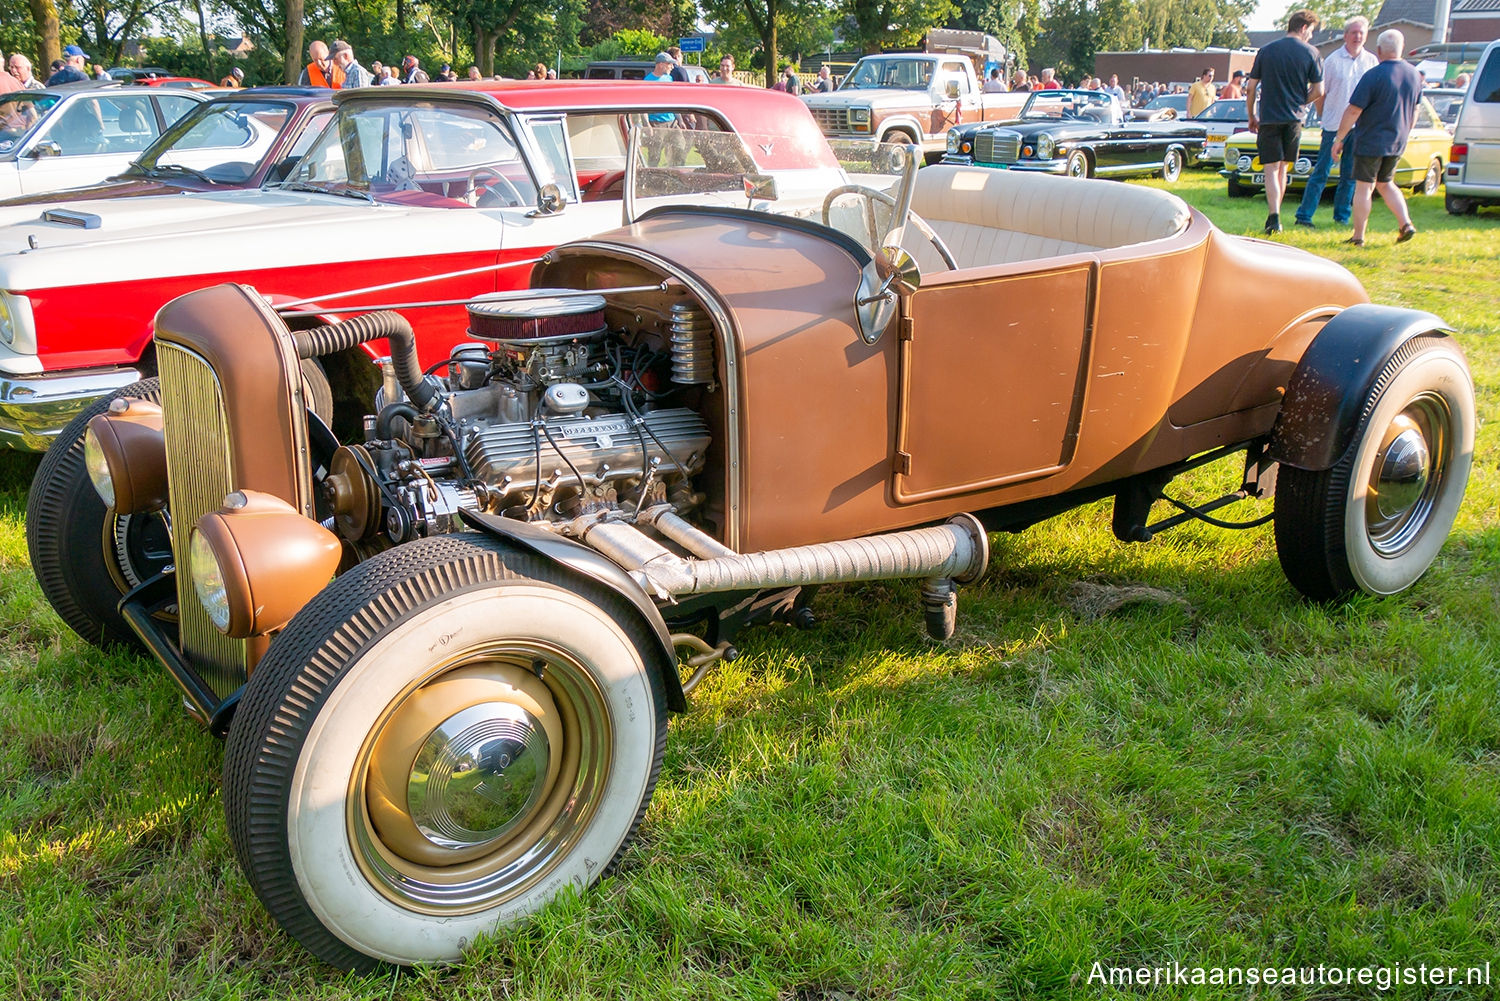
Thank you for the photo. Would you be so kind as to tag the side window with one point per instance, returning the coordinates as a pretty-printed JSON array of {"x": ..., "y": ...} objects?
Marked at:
[
  {"x": 1486, "y": 88},
  {"x": 79, "y": 130},
  {"x": 173, "y": 107}
]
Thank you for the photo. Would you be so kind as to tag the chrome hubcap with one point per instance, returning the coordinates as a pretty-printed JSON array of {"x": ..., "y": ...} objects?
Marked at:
[
  {"x": 478, "y": 774},
  {"x": 477, "y": 781},
  {"x": 1406, "y": 475}
]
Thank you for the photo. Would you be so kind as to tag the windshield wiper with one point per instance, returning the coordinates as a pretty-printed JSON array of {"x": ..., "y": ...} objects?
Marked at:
[
  {"x": 346, "y": 191},
  {"x": 177, "y": 168}
]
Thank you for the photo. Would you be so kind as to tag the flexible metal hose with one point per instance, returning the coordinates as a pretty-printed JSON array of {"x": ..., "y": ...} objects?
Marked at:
[{"x": 345, "y": 334}]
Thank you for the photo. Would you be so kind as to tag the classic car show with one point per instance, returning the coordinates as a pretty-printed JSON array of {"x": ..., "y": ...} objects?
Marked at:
[{"x": 840, "y": 509}]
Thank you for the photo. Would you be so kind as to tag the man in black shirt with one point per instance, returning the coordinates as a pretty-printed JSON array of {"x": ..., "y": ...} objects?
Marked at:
[{"x": 1286, "y": 76}]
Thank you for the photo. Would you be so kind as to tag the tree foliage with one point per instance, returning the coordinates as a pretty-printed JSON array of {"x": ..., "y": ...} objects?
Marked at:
[
  {"x": 773, "y": 29},
  {"x": 1333, "y": 13},
  {"x": 874, "y": 25}
]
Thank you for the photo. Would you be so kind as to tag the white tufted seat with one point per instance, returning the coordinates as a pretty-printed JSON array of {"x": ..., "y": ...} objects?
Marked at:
[{"x": 991, "y": 216}]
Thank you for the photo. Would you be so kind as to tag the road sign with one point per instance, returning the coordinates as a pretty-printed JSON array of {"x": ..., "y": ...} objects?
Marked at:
[{"x": 692, "y": 43}]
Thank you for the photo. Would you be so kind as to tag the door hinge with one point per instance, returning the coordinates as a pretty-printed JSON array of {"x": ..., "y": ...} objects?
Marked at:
[
  {"x": 903, "y": 463},
  {"x": 905, "y": 329}
]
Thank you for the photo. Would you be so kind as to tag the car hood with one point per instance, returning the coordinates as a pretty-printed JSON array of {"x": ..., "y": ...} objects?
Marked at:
[
  {"x": 206, "y": 232},
  {"x": 106, "y": 189},
  {"x": 1027, "y": 128},
  {"x": 872, "y": 97}
]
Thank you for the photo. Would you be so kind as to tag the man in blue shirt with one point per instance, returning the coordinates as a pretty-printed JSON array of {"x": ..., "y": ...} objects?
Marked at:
[
  {"x": 73, "y": 72},
  {"x": 1383, "y": 105},
  {"x": 660, "y": 144},
  {"x": 1286, "y": 75},
  {"x": 1342, "y": 70}
]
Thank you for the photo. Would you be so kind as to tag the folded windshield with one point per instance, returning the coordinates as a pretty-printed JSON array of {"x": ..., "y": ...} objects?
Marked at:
[{"x": 852, "y": 187}]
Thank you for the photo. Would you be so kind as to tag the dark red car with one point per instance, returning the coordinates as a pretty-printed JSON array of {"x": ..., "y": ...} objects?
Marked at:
[{"x": 239, "y": 140}]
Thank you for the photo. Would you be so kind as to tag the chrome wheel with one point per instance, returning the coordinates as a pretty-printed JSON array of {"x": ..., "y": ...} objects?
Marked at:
[
  {"x": 1407, "y": 474},
  {"x": 479, "y": 779},
  {"x": 1171, "y": 168},
  {"x": 1078, "y": 164},
  {"x": 1433, "y": 177}
]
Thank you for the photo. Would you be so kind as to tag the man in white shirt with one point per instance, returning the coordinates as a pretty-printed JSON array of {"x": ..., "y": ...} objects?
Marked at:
[{"x": 1341, "y": 71}]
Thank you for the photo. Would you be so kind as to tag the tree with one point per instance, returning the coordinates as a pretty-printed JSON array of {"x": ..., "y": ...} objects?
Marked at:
[
  {"x": 108, "y": 24},
  {"x": 48, "y": 32},
  {"x": 1333, "y": 13},
  {"x": 277, "y": 23},
  {"x": 1014, "y": 22},
  {"x": 763, "y": 23},
  {"x": 875, "y": 25}
]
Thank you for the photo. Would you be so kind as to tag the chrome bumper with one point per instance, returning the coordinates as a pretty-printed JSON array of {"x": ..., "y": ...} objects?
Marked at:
[{"x": 33, "y": 409}]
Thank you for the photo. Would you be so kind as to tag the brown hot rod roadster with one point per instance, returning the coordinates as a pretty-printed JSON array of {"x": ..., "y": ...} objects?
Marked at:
[{"x": 444, "y": 649}]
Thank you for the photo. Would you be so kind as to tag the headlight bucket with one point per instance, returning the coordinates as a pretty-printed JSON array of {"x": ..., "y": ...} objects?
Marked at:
[
  {"x": 859, "y": 116},
  {"x": 16, "y": 328},
  {"x": 256, "y": 561},
  {"x": 126, "y": 457},
  {"x": 1045, "y": 146}
]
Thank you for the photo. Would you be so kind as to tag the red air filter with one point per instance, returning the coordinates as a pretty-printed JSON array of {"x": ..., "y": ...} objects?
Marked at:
[{"x": 542, "y": 314}]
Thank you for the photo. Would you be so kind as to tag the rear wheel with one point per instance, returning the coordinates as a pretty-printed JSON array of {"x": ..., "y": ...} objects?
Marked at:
[
  {"x": 1171, "y": 165},
  {"x": 1460, "y": 206},
  {"x": 1432, "y": 180},
  {"x": 84, "y": 555},
  {"x": 439, "y": 743},
  {"x": 1374, "y": 522}
]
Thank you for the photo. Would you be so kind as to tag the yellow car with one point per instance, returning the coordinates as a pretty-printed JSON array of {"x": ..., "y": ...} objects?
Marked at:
[{"x": 1421, "y": 167}]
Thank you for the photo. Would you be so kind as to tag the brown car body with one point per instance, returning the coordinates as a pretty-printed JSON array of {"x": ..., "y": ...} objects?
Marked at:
[{"x": 686, "y": 424}]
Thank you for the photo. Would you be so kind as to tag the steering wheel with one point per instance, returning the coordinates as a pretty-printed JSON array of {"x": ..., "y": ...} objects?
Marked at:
[
  {"x": 876, "y": 195},
  {"x": 492, "y": 179}
]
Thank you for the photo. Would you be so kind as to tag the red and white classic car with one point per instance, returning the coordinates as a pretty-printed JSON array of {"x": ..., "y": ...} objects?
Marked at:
[{"x": 437, "y": 192}]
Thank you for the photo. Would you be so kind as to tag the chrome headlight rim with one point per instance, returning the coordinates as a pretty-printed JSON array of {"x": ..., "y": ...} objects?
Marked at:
[
  {"x": 860, "y": 116},
  {"x": 1046, "y": 146},
  {"x": 952, "y": 140}
]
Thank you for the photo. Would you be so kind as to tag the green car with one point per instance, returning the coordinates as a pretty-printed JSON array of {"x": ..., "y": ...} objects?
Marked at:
[{"x": 1421, "y": 167}]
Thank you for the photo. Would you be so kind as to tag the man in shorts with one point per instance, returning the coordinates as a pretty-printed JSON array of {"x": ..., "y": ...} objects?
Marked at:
[
  {"x": 1384, "y": 105},
  {"x": 1286, "y": 76}
]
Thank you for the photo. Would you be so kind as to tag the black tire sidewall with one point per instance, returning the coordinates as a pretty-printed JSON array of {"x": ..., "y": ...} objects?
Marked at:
[
  {"x": 65, "y": 525},
  {"x": 313, "y": 670}
]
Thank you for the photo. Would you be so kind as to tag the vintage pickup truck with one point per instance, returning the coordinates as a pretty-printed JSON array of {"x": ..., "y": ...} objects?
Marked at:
[{"x": 909, "y": 98}]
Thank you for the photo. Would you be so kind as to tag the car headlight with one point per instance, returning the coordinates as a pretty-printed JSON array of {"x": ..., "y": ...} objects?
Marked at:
[
  {"x": 15, "y": 322},
  {"x": 859, "y": 116},
  {"x": 1302, "y": 166},
  {"x": 952, "y": 141},
  {"x": 256, "y": 561},
  {"x": 97, "y": 467},
  {"x": 1243, "y": 162},
  {"x": 1045, "y": 146},
  {"x": 126, "y": 457},
  {"x": 208, "y": 580}
]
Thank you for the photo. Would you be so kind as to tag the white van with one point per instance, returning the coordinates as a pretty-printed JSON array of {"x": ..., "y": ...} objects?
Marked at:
[{"x": 1473, "y": 177}]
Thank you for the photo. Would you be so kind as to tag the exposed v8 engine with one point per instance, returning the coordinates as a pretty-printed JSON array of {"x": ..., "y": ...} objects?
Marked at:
[{"x": 547, "y": 415}]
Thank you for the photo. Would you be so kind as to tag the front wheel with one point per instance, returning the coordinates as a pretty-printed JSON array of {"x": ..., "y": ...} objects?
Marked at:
[
  {"x": 1078, "y": 164},
  {"x": 440, "y": 743},
  {"x": 1374, "y": 522},
  {"x": 83, "y": 554},
  {"x": 1171, "y": 165}
]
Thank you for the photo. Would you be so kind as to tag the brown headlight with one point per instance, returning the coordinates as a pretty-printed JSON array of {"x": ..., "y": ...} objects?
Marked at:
[
  {"x": 256, "y": 561},
  {"x": 126, "y": 457}
]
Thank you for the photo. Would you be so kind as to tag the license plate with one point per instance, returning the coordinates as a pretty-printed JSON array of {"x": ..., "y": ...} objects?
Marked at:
[
  {"x": 1257, "y": 178},
  {"x": 1217, "y": 137}
]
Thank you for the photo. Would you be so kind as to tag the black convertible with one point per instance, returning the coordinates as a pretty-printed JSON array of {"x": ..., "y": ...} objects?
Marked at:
[{"x": 1081, "y": 133}]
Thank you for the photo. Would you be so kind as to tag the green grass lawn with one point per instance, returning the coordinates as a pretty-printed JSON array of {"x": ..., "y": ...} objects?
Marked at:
[{"x": 1214, "y": 773}]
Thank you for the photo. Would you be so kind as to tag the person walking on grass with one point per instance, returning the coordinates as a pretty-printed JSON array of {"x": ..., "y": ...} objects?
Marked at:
[
  {"x": 1342, "y": 69},
  {"x": 1286, "y": 75},
  {"x": 1381, "y": 111}
]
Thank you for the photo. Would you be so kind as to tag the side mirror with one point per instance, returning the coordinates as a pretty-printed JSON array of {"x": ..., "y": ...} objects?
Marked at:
[
  {"x": 760, "y": 187},
  {"x": 44, "y": 148},
  {"x": 952, "y": 90},
  {"x": 893, "y": 271},
  {"x": 550, "y": 200}
]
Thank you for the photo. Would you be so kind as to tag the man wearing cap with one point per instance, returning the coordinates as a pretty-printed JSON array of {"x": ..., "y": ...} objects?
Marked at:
[
  {"x": 355, "y": 75},
  {"x": 412, "y": 71},
  {"x": 76, "y": 59},
  {"x": 660, "y": 144},
  {"x": 321, "y": 71}
]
